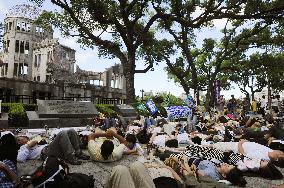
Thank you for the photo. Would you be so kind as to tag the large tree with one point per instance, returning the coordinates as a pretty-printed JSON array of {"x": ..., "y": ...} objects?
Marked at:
[
  {"x": 264, "y": 67},
  {"x": 184, "y": 20},
  {"x": 212, "y": 60},
  {"x": 129, "y": 23},
  {"x": 120, "y": 29}
]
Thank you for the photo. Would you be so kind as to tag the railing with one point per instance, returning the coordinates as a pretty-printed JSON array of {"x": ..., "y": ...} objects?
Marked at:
[{"x": 32, "y": 99}]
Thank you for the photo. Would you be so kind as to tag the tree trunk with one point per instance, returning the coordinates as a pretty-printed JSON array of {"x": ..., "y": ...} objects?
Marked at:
[
  {"x": 195, "y": 83},
  {"x": 209, "y": 96},
  {"x": 197, "y": 97},
  {"x": 129, "y": 72},
  {"x": 269, "y": 95}
]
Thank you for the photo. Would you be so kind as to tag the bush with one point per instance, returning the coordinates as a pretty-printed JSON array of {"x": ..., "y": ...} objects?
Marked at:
[
  {"x": 17, "y": 116},
  {"x": 163, "y": 111},
  {"x": 106, "y": 109},
  {"x": 30, "y": 107},
  {"x": 5, "y": 107},
  {"x": 158, "y": 99}
]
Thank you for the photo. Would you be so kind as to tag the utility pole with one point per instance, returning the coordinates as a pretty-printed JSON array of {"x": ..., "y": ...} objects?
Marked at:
[{"x": 142, "y": 91}]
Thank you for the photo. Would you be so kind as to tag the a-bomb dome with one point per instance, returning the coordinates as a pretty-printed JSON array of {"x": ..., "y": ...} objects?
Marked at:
[{"x": 25, "y": 11}]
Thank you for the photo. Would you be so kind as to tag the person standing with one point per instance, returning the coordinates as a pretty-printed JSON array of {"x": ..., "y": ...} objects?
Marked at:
[
  {"x": 221, "y": 104},
  {"x": 233, "y": 104},
  {"x": 254, "y": 106},
  {"x": 262, "y": 106},
  {"x": 246, "y": 106}
]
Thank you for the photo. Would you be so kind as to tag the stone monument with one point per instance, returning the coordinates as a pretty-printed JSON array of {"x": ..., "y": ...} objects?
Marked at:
[
  {"x": 62, "y": 113},
  {"x": 126, "y": 112},
  {"x": 66, "y": 109}
]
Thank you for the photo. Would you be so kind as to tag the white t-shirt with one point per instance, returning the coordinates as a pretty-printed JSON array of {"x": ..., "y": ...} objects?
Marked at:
[
  {"x": 252, "y": 150},
  {"x": 263, "y": 104},
  {"x": 183, "y": 137},
  {"x": 156, "y": 130},
  {"x": 274, "y": 102},
  {"x": 249, "y": 164},
  {"x": 29, "y": 154},
  {"x": 137, "y": 147},
  {"x": 133, "y": 129},
  {"x": 5, "y": 132},
  {"x": 160, "y": 140},
  {"x": 256, "y": 151}
]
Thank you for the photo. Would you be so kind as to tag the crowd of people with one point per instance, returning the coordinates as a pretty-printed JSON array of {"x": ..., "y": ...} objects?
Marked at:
[{"x": 212, "y": 149}]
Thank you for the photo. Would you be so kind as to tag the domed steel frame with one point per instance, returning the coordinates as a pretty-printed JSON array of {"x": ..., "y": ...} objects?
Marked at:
[{"x": 24, "y": 10}]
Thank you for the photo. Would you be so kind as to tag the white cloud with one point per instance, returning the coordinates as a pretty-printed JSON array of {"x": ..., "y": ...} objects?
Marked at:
[
  {"x": 89, "y": 60},
  {"x": 70, "y": 42},
  {"x": 197, "y": 12},
  {"x": 3, "y": 9},
  {"x": 220, "y": 23}
]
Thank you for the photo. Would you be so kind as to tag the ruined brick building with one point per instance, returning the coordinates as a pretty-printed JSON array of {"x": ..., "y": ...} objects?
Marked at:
[{"x": 36, "y": 65}]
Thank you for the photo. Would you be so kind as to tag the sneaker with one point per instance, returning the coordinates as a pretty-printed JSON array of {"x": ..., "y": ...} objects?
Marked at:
[
  {"x": 73, "y": 160},
  {"x": 82, "y": 156}
]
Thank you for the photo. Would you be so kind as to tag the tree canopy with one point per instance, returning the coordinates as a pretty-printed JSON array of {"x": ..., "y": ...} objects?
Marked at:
[{"x": 131, "y": 31}]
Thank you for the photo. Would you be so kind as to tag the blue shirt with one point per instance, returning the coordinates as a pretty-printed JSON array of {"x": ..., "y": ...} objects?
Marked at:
[
  {"x": 209, "y": 169},
  {"x": 147, "y": 123},
  {"x": 6, "y": 182}
]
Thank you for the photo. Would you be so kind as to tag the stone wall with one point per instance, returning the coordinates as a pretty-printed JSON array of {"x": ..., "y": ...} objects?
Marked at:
[{"x": 30, "y": 91}]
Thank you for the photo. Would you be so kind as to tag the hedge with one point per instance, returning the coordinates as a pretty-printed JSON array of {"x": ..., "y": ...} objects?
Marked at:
[
  {"x": 106, "y": 109},
  {"x": 17, "y": 116},
  {"x": 30, "y": 107},
  {"x": 163, "y": 111},
  {"x": 5, "y": 107}
]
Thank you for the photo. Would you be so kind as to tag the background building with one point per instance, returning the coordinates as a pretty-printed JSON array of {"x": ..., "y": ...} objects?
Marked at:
[{"x": 34, "y": 65}]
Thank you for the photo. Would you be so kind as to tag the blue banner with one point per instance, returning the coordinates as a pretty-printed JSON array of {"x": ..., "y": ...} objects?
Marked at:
[
  {"x": 179, "y": 111},
  {"x": 152, "y": 107}
]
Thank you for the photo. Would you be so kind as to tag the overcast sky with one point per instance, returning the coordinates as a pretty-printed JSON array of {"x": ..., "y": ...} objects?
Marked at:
[{"x": 88, "y": 59}]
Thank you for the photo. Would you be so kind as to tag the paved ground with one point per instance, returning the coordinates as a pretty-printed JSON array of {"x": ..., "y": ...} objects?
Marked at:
[{"x": 101, "y": 172}]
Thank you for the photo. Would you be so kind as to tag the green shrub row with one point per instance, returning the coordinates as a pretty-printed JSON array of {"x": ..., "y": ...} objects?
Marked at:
[
  {"x": 30, "y": 107},
  {"x": 17, "y": 116},
  {"x": 106, "y": 109},
  {"x": 5, "y": 107}
]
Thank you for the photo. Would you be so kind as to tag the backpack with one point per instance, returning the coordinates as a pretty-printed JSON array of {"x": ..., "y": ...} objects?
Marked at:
[{"x": 54, "y": 173}]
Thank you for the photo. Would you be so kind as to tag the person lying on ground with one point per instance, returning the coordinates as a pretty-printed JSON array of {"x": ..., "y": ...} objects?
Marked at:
[
  {"x": 135, "y": 176},
  {"x": 251, "y": 149},
  {"x": 8, "y": 162},
  {"x": 8, "y": 174},
  {"x": 190, "y": 175},
  {"x": 134, "y": 128},
  {"x": 245, "y": 164},
  {"x": 266, "y": 137},
  {"x": 132, "y": 146},
  {"x": 160, "y": 139},
  {"x": 209, "y": 169},
  {"x": 65, "y": 146},
  {"x": 103, "y": 148}
]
